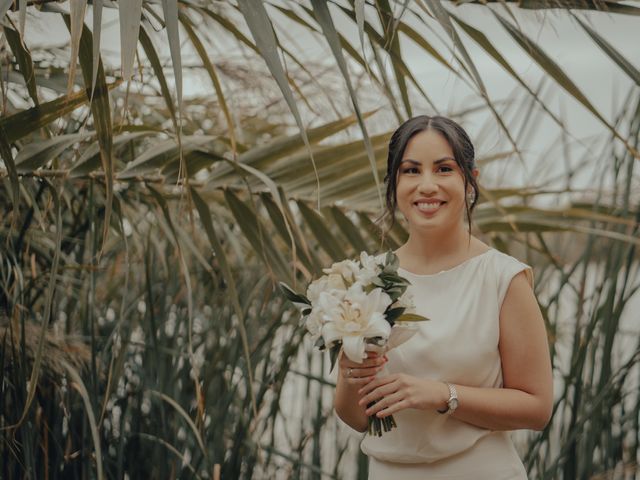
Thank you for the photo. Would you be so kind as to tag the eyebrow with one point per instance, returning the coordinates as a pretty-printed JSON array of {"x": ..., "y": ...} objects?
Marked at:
[{"x": 436, "y": 162}]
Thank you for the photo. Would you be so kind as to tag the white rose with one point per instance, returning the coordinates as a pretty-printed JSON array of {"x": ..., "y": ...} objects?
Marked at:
[{"x": 357, "y": 317}]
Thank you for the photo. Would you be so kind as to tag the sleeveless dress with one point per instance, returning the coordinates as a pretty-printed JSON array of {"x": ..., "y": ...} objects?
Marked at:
[{"x": 459, "y": 344}]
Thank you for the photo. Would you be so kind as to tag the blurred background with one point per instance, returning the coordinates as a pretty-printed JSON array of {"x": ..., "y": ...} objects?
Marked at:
[{"x": 164, "y": 164}]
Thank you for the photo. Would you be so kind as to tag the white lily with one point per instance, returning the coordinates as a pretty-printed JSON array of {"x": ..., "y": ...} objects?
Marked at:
[
  {"x": 369, "y": 268},
  {"x": 406, "y": 301},
  {"x": 333, "y": 283},
  {"x": 357, "y": 317},
  {"x": 347, "y": 269}
]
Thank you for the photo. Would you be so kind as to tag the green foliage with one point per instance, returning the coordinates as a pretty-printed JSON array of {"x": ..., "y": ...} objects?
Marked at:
[{"x": 142, "y": 331}]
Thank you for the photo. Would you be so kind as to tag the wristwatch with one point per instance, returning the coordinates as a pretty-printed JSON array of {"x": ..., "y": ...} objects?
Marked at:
[{"x": 452, "y": 403}]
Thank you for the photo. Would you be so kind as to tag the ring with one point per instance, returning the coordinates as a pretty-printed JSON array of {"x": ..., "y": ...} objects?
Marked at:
[{"x": 349, "y": 370}]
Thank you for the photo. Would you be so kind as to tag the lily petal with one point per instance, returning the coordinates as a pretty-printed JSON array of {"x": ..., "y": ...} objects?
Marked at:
[{"x": 353, "y": 347}]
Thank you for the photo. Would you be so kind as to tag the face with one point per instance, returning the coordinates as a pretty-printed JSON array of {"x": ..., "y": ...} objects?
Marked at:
[{"x": 430, "y": 185}]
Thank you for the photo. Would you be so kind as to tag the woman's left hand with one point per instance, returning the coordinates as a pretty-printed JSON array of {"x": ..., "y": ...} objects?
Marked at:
[{"x": 396, "y": 392}]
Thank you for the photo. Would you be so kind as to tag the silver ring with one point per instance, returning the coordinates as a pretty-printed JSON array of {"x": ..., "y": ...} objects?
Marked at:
[{"x": 349, "y": 371}]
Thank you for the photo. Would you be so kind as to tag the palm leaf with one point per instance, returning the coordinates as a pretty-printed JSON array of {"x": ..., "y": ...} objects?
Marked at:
[
  {"x": 24, "y": 61},
  {"x": 77, "y": 8},
  {"x": 626, "y": 66},
  {"x": 130, "y": 18},
  {"x": 323, "y": 17},
  {"x": 265, "y": 39}
]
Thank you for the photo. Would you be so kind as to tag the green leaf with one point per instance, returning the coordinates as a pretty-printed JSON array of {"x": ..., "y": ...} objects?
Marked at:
[
  {"x": 276, "y": 215},
  {"x": 181, "y": 411},
  {"x": 4, "y": 6},
  {"x": 7, "y": 157},
  {"x": 152, "y": 56},
  {"x": 392, "y": 46},
  {"x": 553, "y": 69},
  {"x": 97, "y": 30},
  {"x": 334, "y": 351},
  {"x": 325, "y": 237},
  {"x": 393, "y": 314},
  {"x": 78, "y": 384},
  {"x": 90, "y": 159},
  {"x": 170, "y": 10},
  {"x": 37, "y": 154},
  {"x": 321, "y": 11},
  {"x": 205, "y": 217},
  {"x": 626, "y": 66},
  {"x": 411, "y": 317},
  {"x": 211, "y": 70},
  {"x": 164, "y": 152},
  {"x": 293, "y": 296},
  {"x": 25, "y": 62},
  {"x": 21, "y": 124},
  {"x": 257, "y": 235},
  {"x": 265, "y": 39},
  {"x": 101, "y": 111},
  {"x": 349, "y": 230},
  {"x": 77, "y": 9},
  {"x": 130, "y": 18},
  {"x": 482, "y": 40}
]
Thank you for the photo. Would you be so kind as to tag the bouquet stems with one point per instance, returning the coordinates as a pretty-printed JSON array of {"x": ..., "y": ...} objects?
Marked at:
[{"x": 379, "y": 425}]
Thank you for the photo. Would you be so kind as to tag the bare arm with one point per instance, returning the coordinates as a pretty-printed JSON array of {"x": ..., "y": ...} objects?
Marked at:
[
  {"x": 347, "y": 396},
  {"x": 527, "y": 397},
  {"x": 526, "y": 401}
]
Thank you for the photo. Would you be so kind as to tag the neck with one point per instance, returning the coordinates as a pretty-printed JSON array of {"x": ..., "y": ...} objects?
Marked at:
[{"x": 427, "y": 246}]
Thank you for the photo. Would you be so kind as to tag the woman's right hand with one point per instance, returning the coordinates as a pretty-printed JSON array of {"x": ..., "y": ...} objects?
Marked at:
[{"x": 358, "y": 374}]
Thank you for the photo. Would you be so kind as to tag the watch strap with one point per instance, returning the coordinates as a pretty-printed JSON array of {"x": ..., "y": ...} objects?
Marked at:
[{"x": 452, "y": 402}]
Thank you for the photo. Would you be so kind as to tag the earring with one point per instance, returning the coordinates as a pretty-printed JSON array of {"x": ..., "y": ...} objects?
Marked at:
[{"x": 471, "y": 196}]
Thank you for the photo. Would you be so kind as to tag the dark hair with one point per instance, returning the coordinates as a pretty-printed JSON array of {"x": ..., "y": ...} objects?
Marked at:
[{"x": 457, "y": 138}]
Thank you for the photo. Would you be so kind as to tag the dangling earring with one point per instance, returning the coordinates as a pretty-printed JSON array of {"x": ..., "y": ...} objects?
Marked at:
[{"x": 471, "y": 197}]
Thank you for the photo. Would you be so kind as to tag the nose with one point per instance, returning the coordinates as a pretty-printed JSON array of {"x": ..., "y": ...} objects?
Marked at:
[{"x": 428, "y": 184}]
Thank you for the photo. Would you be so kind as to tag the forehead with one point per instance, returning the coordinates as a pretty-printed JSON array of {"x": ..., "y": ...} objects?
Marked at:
[{"x": 428, "y": 145}]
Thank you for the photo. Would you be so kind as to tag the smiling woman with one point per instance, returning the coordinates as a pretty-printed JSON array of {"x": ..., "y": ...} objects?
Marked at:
[{"x": 481, "y": 366}]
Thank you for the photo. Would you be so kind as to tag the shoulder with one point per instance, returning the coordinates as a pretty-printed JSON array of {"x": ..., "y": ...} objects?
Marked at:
[
  {"x": 505, "y": 270},
  {"x": 508, "y": 267}
]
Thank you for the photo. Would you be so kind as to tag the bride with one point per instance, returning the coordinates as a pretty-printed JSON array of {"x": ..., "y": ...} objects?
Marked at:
[{"x": 481, "y": 366}]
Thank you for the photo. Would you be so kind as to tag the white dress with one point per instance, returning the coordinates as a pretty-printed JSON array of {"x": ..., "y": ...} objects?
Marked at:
[{"x": 459, "y": 345}]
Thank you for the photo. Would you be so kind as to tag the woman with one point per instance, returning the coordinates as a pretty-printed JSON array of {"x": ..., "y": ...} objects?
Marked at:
[{"x": 480, "y": 367}]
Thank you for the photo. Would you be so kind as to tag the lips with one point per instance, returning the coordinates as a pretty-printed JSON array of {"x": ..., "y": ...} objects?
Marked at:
[{"x": 428, "y": 206}]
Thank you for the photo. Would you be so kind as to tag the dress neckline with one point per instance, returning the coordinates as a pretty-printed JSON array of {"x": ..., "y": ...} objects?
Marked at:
[{"x": 455, "y": 267}]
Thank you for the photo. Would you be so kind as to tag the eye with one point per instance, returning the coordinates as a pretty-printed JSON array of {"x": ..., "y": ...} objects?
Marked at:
[
  {"x": 445, "y": 168},
  {"x": 410, "y": 170}
]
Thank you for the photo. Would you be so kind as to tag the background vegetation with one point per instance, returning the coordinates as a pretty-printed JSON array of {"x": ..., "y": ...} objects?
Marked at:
[{"x": 143, "y": 231}]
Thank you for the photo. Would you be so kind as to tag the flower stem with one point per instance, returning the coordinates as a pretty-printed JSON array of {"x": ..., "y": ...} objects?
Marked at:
[{"x": 379, "y": 425}]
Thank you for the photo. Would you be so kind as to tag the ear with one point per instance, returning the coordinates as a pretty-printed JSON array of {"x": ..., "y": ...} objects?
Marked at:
[{"x": 475, "y": 172}]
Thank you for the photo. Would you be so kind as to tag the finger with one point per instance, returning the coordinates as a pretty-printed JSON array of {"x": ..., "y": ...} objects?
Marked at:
[
  {"x": 384, "y": 403},
  {"x": 356, "y": 373},
  {"x": 369, "y": 362},
  {"x": 396, "y": 407},
  {"x": 359, "y": 381},
  {"x": 373, "y": 385},
  {"x": 378, "y": 392}
]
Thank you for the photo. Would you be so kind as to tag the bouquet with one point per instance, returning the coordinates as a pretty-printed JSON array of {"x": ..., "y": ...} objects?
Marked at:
[{"x": 359, "y": 306}]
